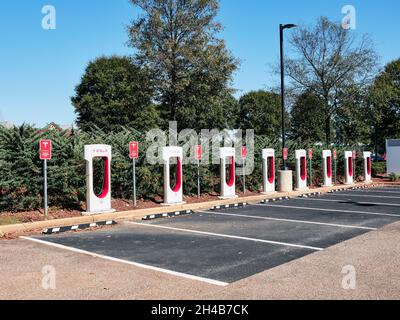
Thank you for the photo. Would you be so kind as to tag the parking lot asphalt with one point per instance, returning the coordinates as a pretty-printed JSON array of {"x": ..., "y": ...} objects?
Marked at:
[{"x": 224, "y": 246}]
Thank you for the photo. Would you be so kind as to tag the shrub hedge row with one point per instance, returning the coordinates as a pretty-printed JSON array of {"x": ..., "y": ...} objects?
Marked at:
[{"x": 21, "y": 176}]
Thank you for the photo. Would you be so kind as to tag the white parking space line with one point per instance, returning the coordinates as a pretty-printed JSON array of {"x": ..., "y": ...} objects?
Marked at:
[
  {"x": 139, "y": 265},
  {"x": 329, "y": 200},
  {"x": 332, "y": 210},
  {"x": 219, "y": 235},
  {"x": 379, "y": 191},
  {"x": 364, "y": 195},
  {"x": 289, "y": 220}
]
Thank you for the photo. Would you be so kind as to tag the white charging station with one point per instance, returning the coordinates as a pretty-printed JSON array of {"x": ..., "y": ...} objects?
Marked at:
[
  {"x": 98, "y": 203},
  {"x": 173, "y": 195},
  {"x": 367, "y": 167},
  {"x": 327, "y": 167},
  {"x": 228, "y": 181},
  {"x": 268, "y": 156},
  {"x": 301, "y": 170},
  {"x": 348, "y": 167}
]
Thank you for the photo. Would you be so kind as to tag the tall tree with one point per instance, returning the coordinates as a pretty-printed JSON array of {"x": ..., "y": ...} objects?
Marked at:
[
  {"x": 176, "y": 40},
  {"x": 261, "y": 111},
  {"x": 307, "y": 118},
  {"x": 383, "y": 105},
  {"x": 329, "y": 60},
  {"x": 351, "y": 124},
  {"x": 114, "y": 92}
]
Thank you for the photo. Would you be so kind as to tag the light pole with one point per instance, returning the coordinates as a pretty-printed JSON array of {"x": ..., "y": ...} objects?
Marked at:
[{"x": 281, "y": 28}]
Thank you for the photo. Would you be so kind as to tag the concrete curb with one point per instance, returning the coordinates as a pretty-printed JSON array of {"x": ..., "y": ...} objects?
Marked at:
[
  {"x": 139, "y": 214},
  {"x": 78, "y": 227}
]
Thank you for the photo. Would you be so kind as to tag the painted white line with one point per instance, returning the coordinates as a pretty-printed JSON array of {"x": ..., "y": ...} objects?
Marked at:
[
  {"x": 363, "y": 195},
  {"x": 290, "y": 220},
  {"x": 379, "y": 191},
  {"x": 332, "y": 210},
  {"x": 373, "y": 203},
  {"x": 139, "y": 265},
  {"x": 219, "y": 235}
]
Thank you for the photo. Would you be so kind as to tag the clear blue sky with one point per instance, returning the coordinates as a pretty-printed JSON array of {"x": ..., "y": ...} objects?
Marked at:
[{"x": 39, "y": 69}]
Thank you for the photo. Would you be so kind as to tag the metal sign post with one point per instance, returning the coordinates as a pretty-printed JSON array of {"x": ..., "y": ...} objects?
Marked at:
[
  {"x": 310, "y": 156},
  {"x": 198, "y": 155},
  {"x": 244, "y": 155},
  {"x": 335, "y": 157},
  {"x": 134, "y": 155},
  {"x": 134, "y": 182},
  {"x": 45, "y": 154},
  {"x": 354, "y": 165},
  {"x": 46, "y": 207}
]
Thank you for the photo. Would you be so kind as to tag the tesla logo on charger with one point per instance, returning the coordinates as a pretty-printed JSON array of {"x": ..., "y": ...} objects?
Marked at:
[{"x": 45, "y": 149}]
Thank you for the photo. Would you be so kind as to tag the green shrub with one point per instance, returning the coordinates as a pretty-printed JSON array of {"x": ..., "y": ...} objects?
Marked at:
[
  {"x": 378, "y": 168},
  {"x": 21, "y": 176},
  {"x": 394, "y": 177}
]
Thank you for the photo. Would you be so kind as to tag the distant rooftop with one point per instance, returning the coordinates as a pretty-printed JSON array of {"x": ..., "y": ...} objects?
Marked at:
[
  {"x": 50, "y": 126},
  {"x": 6, "y": 124}
]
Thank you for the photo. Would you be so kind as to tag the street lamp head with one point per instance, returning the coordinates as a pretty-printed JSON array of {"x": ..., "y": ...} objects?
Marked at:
[{"x": 289, "y": 26}]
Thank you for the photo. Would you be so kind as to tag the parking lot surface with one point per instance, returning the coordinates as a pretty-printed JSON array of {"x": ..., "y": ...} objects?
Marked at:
[{"x": 224, "y": 246}]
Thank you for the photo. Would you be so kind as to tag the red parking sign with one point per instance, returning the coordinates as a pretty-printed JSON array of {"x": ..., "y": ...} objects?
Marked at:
[
  {"x": 134, "y": 150},
  {"x": 244, "y": 152},
  {"x": 335, "y": 154},
  {"x": 310, "y": 153},
  {"x": 45, "y": 149},
  {"x": 198, "y": 152},
  {"x": 285, "y": 154}
]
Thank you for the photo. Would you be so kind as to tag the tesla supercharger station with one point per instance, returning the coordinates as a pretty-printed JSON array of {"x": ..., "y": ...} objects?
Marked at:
[
  {"x": 228, "y": 180},
  {"x": 348, "y": 166},
  {"x": 98, "y": 203},
  {"x": 268, "y": 156},
  {"x": 173, "y": 195},
  {"x": 301, "y": 170},
  {"x": 367, "y": 167},
  {"x": 327, "y": 167}
]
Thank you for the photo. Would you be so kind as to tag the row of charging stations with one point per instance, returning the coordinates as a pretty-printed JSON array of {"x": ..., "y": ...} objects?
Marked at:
[{"x": 173, "y": 188}]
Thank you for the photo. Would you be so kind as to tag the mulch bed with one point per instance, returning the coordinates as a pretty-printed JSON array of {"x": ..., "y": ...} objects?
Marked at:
[{"x": 118, "y": 204}]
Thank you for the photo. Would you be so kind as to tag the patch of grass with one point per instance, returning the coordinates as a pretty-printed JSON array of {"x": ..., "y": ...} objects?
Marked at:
[{"x": 9, "y": 220}]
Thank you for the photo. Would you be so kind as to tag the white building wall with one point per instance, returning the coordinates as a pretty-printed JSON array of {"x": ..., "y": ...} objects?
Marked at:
[{"x": 393, "y": 156}]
